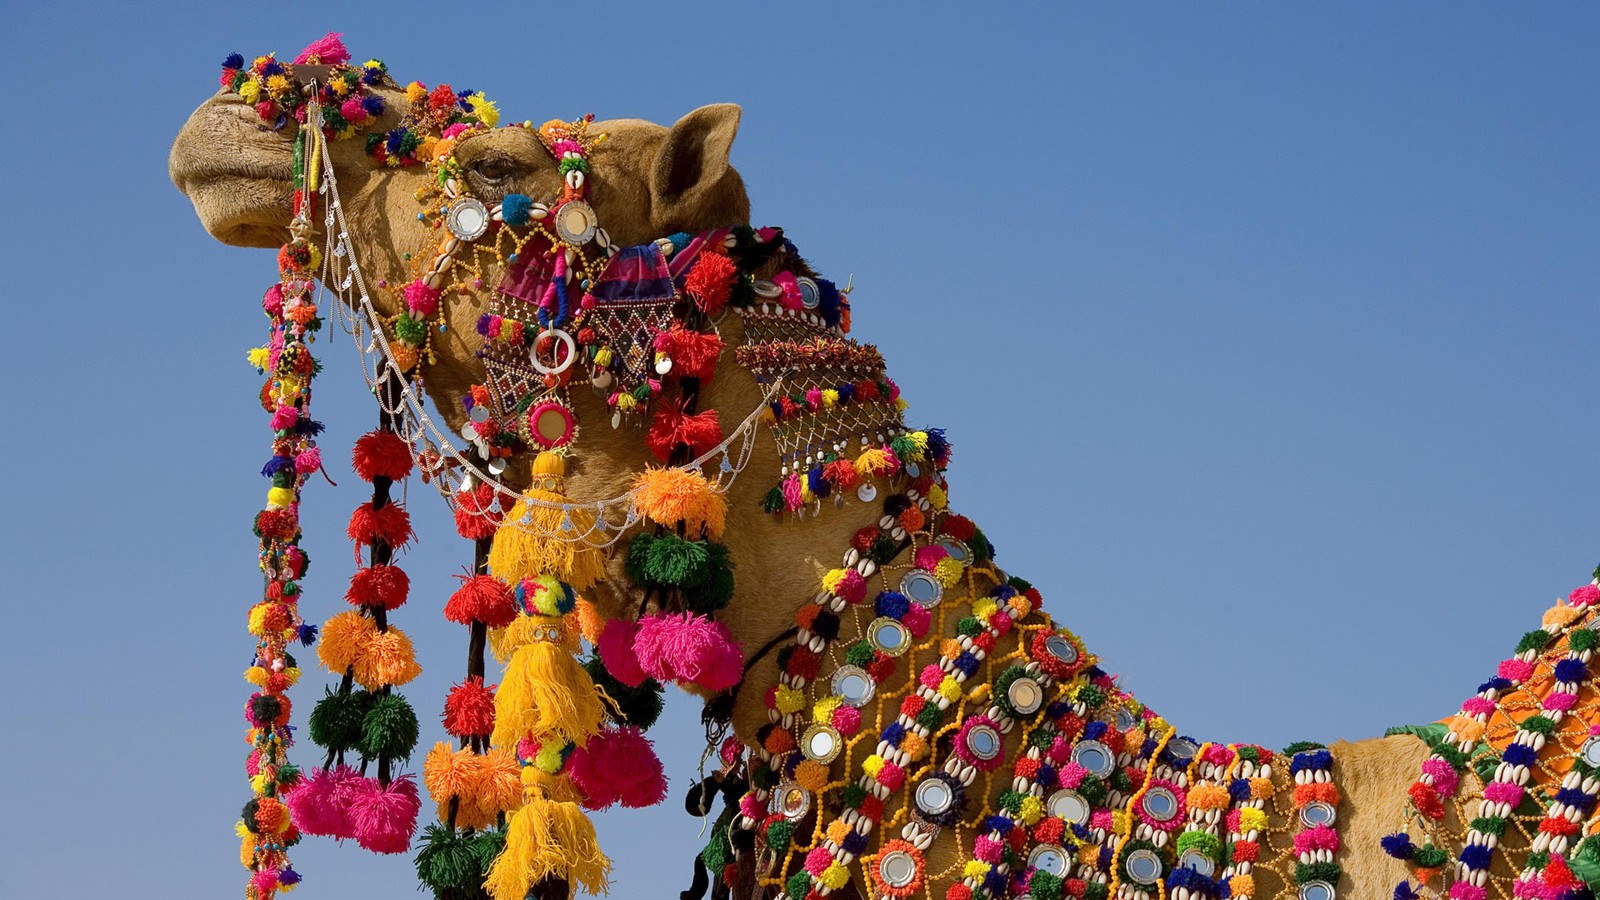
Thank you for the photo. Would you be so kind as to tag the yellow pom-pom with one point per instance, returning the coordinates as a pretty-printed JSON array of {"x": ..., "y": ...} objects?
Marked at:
[
  {"x": 830, "y": 581},
  {"x": 835, "y": 877},
  {"x": 625, "y": 402},
  {"x": 485, "y": 110},
  {"x": 548, "y": 838},
  {"x": 548, "y": 759},
  {"x": 872, "y": 765},
  {"x": 258, "y": 783},
  {"x": 292, "y": 674},
  {"x": 984, "y": 607},
  {"x": 416, "y": 92},
  {"x": 547, "y": 694},
  {"x": 1242, "y": 886},
  {"x": 901, "y": 404},
  {"x": 257, "y": 624},
  {"x": 976, "y": 869},
  {"x": 1032, "y": 810},
  {"x": 259, "y": 357},
  {"x": 280, "y": 498},
  {"x": 874, "y": 461},
  {"x": 247, "y": 849},
  {"x": 950, "y": 689},
  {"x": 830, "y": 398},
  {"x": 948, "y": 571},
  {"x": 1120, "y": 822},
  {"x": 278, "y": 84},
  {"x": 255, "y": 674},
  {"x": 789, "y": 700},
  {"x": 938, "y": 497},
  {"x": 1251, "y": 819},
  {"x": 822, "y": 711}
]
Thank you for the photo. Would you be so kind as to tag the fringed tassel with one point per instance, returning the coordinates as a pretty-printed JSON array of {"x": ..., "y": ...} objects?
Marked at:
[
  {"x": 547, "y": 538},
  {"x": 548, "y": 839},
  {"x": 545, "y": 691}
]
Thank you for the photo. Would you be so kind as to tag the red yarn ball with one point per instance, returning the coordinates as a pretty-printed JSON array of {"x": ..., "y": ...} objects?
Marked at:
[
  {"x": 476, "y": 517},
  {"x": 469, "y": 709},
  {"x": 481, "y": 598},
  {"x": 381, "y": 454},
  {"x": 385, "y": 586},
  {"x": 389, "y": 523}
]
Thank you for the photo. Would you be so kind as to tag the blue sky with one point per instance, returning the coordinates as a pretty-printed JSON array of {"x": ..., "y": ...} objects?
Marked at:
[{"x": 1264, "y": 334}]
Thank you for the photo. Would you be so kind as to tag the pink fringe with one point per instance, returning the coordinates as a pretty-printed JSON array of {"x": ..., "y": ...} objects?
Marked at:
[
  {"x": 618, "y": 766},
  {"x": 616, "y": 652},
  {"x": 329, "y": 49},
  {"x": 689, "y": 648},
  {"x": 384, "y": 819}
]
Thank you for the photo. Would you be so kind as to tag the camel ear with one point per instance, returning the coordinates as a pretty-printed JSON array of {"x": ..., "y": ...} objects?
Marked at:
[{"x": 694, "y": 157}]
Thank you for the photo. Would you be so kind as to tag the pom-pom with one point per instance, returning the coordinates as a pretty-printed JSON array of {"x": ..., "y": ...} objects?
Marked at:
[
  {"x": 515, "y": 209},
  {"x": 382, "y": 585},
  {"x": 447, "y": 862},
  {"x": 477, "y": 514},
  {"x": 469, "y": 709},
  {"x": 1585, "y": 595},
  {"x": 384, "y": 818},
  {"x": 423, "y": 301},
  {"x": 618, "y": 766},
  {"x": 546, "y": 535},
  {"x": 638, "y": 705},
  {"x": 693, "y": 353},
  {"x": 617, "y": 653},
  {"x": 710, "y": 282},
  {"x": 689, "y": 648},
  {"x": 389, "y": 729},
  {"x": 672, "y": 426},
  {"x": 668, "y": 496},
  {"x": 337, "y": 718},
  {"x": 481, "y": 598},
  {"x": 319, "y": 805},
  {"x": 277, "y": 524},
  {"x": 387, "y": 659},
  {"x": 344, "y": 638},
  {"x": 389, "y": 523},
  {"x": 328, "y": 50},
  {"x": 381, "y": 454},
  {"x": 496, "y": 783}
]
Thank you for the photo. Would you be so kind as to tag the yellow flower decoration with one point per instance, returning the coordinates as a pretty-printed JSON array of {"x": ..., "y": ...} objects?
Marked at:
[{"x": 250, "y": 92}]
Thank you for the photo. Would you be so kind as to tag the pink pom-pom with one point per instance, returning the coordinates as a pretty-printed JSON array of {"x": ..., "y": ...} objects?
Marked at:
[
  {"x": 308, "y": 460},
  {"x": 1502, "y": 792},
  {"x": 1587, "y": 595},
  {"x": 456, "y": 130},
  {"x": 988, "y": 849},
  {"x": 353, "y": 110},
  {"x": 312, "y": 803},
  {"x": 1320, "y": 837},
  {"x": 917, "y": 620},
  {"x": 272, "y": 301},
  {"x": 792, "y": 498},
  {"x": 618, "y": 765},
  {"x": 617, "y": 653},
  {"x": 847, "y": 720},
  {"x": 791, "y": 290},
  {"x": 265, "y": 881},
  {"x": 1517, "y": 670},
  {"x": 852, "y": 588},
  {"x": 817, "y": 861},
  {"x": 1071, "y": 775},
  {"x": 285, "y": 417},
  {"x": 1560, "y": 700},
  {"x": 384, "y": 819},
  {"x": 328, "y": 49},
  {"x": 932, "y": 676},
  {"x": 423, "y": 301},
  {"x": 1444, "y": 776},
  {"x": 928, "y": 557},
  {"x": 1477, "y": 706},
  {"x": 689, "y": 648},
  {"x": 1466, "y": 890},
  {"x": 252, "y": 763},
  {"x": 1101, "y": 819}
]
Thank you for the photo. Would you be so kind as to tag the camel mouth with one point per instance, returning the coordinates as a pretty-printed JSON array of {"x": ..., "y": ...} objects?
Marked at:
[{"x": 237, "y": 173}]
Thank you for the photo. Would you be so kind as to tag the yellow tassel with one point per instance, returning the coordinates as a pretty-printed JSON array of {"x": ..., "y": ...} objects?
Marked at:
[
  {"x": 554, "y": 540},
  {"x": 548, "y": 838},
  {"x": 503, "y": 642},
  {"x": 545, "y": 692}
]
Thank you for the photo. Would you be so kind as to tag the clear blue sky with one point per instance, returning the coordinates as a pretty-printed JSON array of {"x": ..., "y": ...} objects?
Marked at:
[{"x": 1265, "y": 335}]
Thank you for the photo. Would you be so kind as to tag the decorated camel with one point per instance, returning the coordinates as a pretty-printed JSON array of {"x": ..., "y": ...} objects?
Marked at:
[{"x": 673, "y": 465}]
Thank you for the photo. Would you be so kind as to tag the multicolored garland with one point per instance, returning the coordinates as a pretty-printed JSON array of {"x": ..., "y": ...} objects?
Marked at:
[{"x": 266, "y": 828}]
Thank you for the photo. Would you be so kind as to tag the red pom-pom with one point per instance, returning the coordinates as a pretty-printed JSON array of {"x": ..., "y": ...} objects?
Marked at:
[
  {"x": 381, "y": 453},
  {"x": 693, "y": 353},
  {"x": 710, "y": 282},
  {"x": 958, "y": 527},
  {"x": 389, "y": 523},
  {"x": 672, "y": 426},
  {"x": 481, "y": 598},
  {"x": 469, "y": 709},
  {"x": 1426, "y": 800},
  {"x": 841, "y": 474},
  {"x": 385, "y": 586},
  {"x": 277, "y": 524},
  {"x": 476, "y": 514}
]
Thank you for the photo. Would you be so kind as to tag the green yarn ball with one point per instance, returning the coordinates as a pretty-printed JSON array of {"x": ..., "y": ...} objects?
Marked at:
[
  {"x": 336, "y": 719},
  {"x": 446, "y": 862},
  {"x": 389, "y": 729},
  {"x": 637, "y": 706}
]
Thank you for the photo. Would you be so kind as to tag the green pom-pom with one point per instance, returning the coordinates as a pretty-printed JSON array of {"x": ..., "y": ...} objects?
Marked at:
[
  {"x": 1533, "y": 640},
  {"x": 675, "y": 561},
  {"x": 336, "y": 719},
  {"x": 410, "y": 331},
  {"x": 764, "y": 778},
  {"x": 773, "y": 502},
  {"x": 389, "y": 729},
  {"x": 1582, "y": 639},
  {"x": 1539, "y": 725},
  {"x": 1303, "y": 746},
  {"x": 778, "y": 836},
  {"x": 743, "y": 293},
  {"x": 1453, "y": 755},
  {"x": 860, "y": 653},
  {"x": 1208, "y": 845},
  {"x": 1044, "y": 886},
  {"x": 1250, "y": 754},
  {"x": 638, "y": 706},
  {"x": 637, "y": 561},
  {"x": 1011, "y": 801},
  {"x": 1096, "y": 890},
  {"x": 1325, "y": 871},
  {"x": 969, "y": 626},
  {"x": 853, "y": 795},
  {"x": 1537, "y": 861},
  {"x": 487, "y": 846},
  {"x": 1090, "y": 695},
  {"x": 712, "y": 587},
  {"x": 1021, "y": 584},
  {"x": 982, "y": 550},
  {"x": 1093, "y": 790},
  {"x": 446, "y": 863},
  {"x": 1002, "y": 686},
  {"x": 1429, "y": 857},
  {"x": 1120, "y": 781},
  {"x": 799, "y": 884},
  {"x": 1495, "y": 825},
  {"x": 882, "y": 550},
  {"x": 930, "y": 716},
  {"x": 1042, "y": 738}
]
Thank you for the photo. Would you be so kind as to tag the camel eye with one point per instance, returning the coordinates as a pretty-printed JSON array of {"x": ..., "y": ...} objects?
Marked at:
[{"x": 493, "y": 169}]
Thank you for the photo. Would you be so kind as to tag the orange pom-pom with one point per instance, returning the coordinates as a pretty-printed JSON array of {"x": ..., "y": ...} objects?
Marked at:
[
  {"x": 668, "y": 496},
  {"x": 344, "y": 637},
  {"x": 387, "y": 659}
]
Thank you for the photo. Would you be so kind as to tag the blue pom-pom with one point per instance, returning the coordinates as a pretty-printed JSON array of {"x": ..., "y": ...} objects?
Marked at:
[
  {"x": 891, "y": 604},
  {"x": 394, "y": 141},
  {"x": 938, "y": 446},
  {"x": 1046, "y": 776},
  {"x": 828, "y": 301},
  {"x": 1094, "y": 731},
  {"x": 894, "y": 734},
  {"x": 1239, "y": 789},
  {"x": 273, "y": 67},
  {"x": 277, "y": 464},
  {"x": 516, "y": 208},
  {"x": 1403, "y": 891},
  {"x": 308, "y": 426},
  {"x": 855, "y": 842},
  {"x": 1314, "y": 760},
  {"x": 288, "y": 877},
  {"x": 995, "y": 883},
  {"x": 1476, "y": 856},
  {"x": 1057, "y": 709},
  {"x": 1498, "y": 683},
  {"x": 234, "y": 61},
  {"x": 373, "y": 104},
  {"x": 307, "y": 635},
  {"x": 1520, "y": 755},
  {"x": 999, "y": 824},
  {"x": 1003, "y": 592},
  {"x": 1575, "y": 797},
  {"x": 967, "y": 663},
  {"x": 818, "y": 484},
  {"x": 1570, "y": 670},
  {"x": 1185, "y": 877},
  {"x": 1398, "y": 845},
  {"x": 847, "y": 392}
]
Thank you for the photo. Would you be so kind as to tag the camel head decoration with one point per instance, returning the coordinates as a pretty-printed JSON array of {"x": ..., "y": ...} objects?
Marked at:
[{"x": 893, "y": 715}]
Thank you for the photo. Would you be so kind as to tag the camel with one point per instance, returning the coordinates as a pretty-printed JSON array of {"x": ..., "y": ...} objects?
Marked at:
[{"x": 648, "y": 181}]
